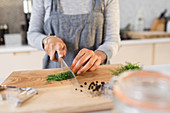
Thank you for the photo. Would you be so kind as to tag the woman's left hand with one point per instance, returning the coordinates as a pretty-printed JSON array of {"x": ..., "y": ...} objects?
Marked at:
[{"x": 89, "y": 59}]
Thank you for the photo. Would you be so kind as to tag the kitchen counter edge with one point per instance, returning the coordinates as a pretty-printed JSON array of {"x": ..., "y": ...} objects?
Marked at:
[{"x": 27, "y": 48}]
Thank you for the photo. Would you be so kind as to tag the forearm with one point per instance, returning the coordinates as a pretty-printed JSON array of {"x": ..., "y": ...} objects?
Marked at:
[
  {"x": 111, "y": 30},
  {"x": 36, "y": 39},
  {"x": 35, "y": 33}
]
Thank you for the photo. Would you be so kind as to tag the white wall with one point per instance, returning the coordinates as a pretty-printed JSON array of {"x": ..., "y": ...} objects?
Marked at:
[{"x": 150, "y": 8}]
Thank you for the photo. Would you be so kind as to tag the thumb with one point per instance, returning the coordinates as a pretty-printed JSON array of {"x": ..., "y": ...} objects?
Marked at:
[{"x": 60, "y": 53}]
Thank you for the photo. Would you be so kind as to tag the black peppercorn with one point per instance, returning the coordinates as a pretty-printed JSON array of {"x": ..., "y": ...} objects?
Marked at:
[
  {"x": 102, "y": 83},
  {"x": 85, "y": 83},
  {"x": 81, "y": 90},
  {"x": 81, "y": 85},
  {"x": 98, "y": 87},
  {"x": 92, "y": 84}
]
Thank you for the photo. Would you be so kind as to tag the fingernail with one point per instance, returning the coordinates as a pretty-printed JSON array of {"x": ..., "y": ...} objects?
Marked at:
[
  {"x": 78, "y": 72},
  {"x": 72, "y": 66},
  {"x": 60, "y": 56}
]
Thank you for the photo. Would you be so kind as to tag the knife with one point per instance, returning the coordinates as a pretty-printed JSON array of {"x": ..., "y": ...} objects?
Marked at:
[{"x": 65, "y": 68}]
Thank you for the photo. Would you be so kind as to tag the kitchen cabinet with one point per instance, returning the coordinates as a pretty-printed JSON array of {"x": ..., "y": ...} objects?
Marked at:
[
  {"x": 134, "y": 53},
  {"x": 17, "y": 61},
  {"x": 162, "y": 53},
  {"x": 154, "y": 53}
]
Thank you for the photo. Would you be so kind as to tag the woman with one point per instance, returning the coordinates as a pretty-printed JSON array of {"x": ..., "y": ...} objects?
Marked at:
[{"x": 83, "y": 32}]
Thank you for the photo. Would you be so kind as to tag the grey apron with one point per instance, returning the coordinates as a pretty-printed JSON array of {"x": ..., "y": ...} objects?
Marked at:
[{"x": 77, "y": 31}]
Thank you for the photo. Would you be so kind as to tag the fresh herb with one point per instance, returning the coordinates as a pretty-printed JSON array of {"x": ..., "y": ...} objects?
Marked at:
[
  {"x": 128, "y": 66},
  {"x": 48, "y": 82},
  {"x": 60, "y": 76}
]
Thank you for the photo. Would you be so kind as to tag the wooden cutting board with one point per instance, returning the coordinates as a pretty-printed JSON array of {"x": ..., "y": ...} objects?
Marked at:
[
  {"x": 148, "y": 34},
  {"x": 59, "y": 96}
]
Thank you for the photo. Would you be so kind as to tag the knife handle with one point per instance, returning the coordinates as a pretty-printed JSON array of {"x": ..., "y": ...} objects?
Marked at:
[
  {"x": 163, "y": 14},
  {"x": 56, "y": 56}
]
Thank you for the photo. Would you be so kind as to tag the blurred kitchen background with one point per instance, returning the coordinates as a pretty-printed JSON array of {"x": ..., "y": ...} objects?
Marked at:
[
  {"x": 135, "y": 15},
  {"x": 145, "y": 33},
  {"x": 130, "y": 10},
  {"x": 14, "y": 20}
]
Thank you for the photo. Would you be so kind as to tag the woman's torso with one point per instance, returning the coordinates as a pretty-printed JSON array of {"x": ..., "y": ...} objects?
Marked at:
[
  {"x": 76, "y": 30},
  {"x": 72, "y": 7}
]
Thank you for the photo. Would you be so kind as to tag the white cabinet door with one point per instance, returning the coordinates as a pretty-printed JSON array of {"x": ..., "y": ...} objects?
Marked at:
[
  {"x": 162, "y": 53},
  {"x": 134, "y": 53},
  {"x": 19, "y": 61}
]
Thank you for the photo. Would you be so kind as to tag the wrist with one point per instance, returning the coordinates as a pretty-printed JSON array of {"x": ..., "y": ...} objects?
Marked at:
[
  {"x": 102, "y": 55},
  {"x": 45, "y": 40}
]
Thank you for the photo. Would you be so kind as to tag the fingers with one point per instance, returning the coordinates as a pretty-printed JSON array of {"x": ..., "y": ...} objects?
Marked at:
[
  {"x": 55, "y": 45},
  {"x": 76, "y": 59},
  {"x": 61, "y": 50},
  {"x": 95, "y": 66},
  {"x": 86, "y": 60},
  {"x": 80, "y": 61},
  {"x": 88, "y": 65}
]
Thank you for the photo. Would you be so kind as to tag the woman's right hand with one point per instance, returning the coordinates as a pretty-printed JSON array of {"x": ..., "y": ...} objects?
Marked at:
[{"x": 55, "y": 45}]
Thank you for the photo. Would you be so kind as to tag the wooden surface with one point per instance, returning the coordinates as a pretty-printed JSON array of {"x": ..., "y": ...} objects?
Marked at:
[
  {"x": 147, "y": 34},
  {"x": 59, "y": 96}
]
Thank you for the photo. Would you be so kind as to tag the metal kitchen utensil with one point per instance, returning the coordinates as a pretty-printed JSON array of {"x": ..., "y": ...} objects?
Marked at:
[
  {"x": 65, "y": 68},
  {"x": 16, "y": 95}
]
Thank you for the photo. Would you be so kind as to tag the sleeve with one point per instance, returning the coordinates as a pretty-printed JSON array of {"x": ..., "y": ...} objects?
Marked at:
[
  {"x": 35, "y": 34},
  {"x": 111, "y": 42}
]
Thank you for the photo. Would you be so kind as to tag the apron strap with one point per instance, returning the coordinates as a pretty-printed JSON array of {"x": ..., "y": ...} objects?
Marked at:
[
  {"x": 52, "y": 7},
  {"x": 98, "y": 5},
  {"x": 59, "y": 7},
  {"x": 93, "y": 2},
  {"x": 56, "y": 7}
]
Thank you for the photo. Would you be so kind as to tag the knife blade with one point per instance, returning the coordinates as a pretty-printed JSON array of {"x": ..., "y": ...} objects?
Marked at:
[{"x": 65, "y": 68}]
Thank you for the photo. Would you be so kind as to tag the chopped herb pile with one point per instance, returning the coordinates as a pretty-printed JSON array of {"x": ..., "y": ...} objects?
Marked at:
[
  {"x": 60, "y": 76},
  {"x": 126, "y": 67}
]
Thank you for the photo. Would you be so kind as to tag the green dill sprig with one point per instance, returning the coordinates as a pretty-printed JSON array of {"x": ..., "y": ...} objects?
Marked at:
[
  {"x": 128, "y": 66},
  {"x": 60, "y": 76}
]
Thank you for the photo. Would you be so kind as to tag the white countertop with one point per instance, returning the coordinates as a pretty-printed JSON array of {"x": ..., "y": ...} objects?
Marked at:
[
  {"x": 145, "y": 41},
  {"x": 24, "y": 48},
  {"x": 164, "y": 68},
  {"x": 11, "y": 49}
]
